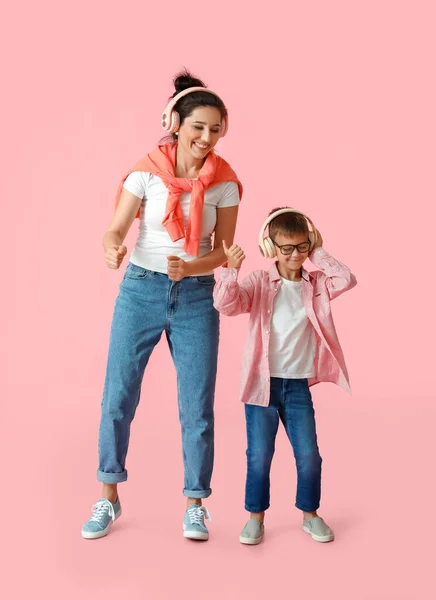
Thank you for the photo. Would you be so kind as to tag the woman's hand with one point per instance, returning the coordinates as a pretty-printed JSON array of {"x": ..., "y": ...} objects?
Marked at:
[
  {"x": 235, "y": 256},
  {"x": 114, "y": 256},
  {"x": 177, "y": 268}
]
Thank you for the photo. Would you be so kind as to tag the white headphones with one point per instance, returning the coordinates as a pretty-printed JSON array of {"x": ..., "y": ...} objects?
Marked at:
[
  {"x": 171, "y": 118},
  {"x": 266, "y": 245}
]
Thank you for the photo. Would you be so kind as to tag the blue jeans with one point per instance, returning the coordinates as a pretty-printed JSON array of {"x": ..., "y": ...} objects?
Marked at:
[
  {"x": 291, "y": 402},
  {"x": 148, "y": 304}
]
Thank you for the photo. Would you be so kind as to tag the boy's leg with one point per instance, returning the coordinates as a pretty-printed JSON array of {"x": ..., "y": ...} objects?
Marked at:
[
  {"x": 262, "y": 424},
  {"x": 298, "y": 417}
]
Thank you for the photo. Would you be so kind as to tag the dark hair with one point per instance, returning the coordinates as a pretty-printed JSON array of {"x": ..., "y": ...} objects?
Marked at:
[
  {"x": 187, "y": 104},
  {"x": 290, "y": 223}
]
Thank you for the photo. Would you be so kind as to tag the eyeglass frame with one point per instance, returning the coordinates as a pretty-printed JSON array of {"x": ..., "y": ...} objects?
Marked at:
[{"x": 291, "y": 246}]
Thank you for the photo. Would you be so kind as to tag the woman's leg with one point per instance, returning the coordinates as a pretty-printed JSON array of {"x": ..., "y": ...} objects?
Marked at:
[
  {"x": 193, "y": 332},
  {"x": 138, "y": 322}
]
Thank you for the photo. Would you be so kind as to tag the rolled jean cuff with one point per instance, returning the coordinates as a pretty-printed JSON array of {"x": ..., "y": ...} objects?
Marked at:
[
  {"x": 256, "y": 509},
  {"x": 307, "y": 509},
  {"x": 197, "y": 493},
  {"x": 111, "y": 477}
]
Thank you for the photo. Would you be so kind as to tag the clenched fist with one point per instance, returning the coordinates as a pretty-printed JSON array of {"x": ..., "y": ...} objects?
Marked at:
[
  {"x": 235, "y": 256},
  {"x": 177, "y": 268},
  {"x": 114, "y": 256}
]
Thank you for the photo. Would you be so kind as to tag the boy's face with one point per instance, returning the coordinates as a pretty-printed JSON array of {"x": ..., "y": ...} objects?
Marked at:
[{"x": 293, "y": 261}]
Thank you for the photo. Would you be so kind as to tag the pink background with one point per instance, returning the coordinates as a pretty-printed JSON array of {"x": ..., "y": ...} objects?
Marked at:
[{"x": 332, "y": 110}]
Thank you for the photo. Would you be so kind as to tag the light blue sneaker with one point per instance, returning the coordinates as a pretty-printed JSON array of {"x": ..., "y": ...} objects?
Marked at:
[
  {"x": 193, "y": 523},
  {"x": 253, "y": 532},
  {"x": 319, "y": 530},
  {"x": 104, "y": 513}
]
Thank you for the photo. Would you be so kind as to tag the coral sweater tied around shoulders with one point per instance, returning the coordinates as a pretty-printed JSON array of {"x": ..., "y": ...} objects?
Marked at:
[{"x": 162, "y": 162}]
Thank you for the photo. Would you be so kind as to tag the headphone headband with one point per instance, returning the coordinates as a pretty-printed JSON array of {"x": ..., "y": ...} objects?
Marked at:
[{"x": 171, "y": 125}]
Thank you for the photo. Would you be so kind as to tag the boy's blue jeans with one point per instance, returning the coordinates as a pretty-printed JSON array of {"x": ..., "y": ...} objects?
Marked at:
[{"x": 290, "y": 402}]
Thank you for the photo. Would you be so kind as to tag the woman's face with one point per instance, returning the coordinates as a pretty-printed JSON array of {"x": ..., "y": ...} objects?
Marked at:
[{"x": 200, "y": 131}]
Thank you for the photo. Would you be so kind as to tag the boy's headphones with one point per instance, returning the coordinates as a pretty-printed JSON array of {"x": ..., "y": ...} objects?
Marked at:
[
  {"x": 266, "y": 245},
  {"x": 171, "y": 118}
]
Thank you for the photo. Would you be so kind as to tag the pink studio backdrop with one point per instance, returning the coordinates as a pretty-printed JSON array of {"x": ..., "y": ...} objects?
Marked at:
[{"x": 332, "y": 110}]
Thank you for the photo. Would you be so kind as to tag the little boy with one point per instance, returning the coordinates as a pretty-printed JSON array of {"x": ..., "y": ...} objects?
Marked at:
[{"x": 292, "y": 344}]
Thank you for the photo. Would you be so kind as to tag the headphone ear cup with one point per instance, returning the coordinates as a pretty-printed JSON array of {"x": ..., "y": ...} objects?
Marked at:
[
  {"x": 270, "y": 249},
  {"x": 313, "y": 237},
  {"x": 225, "y": 126},
  {"x": 175, "y": 122},
  {"x": 263, "y": 249}
]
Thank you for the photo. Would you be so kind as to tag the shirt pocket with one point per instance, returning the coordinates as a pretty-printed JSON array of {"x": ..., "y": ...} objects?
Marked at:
[{"x": 321, "y": 302}]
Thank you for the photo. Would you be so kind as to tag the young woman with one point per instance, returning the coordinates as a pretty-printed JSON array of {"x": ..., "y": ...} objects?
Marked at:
[{"x": 183, "y": 194}]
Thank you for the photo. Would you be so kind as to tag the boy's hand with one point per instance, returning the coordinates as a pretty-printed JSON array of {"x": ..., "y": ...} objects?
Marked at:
[{"x": 235, "y": 256}]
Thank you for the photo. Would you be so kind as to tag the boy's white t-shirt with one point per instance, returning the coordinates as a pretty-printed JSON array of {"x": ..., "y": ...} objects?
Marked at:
[
  {"x": 154, "y": 244},
  {"x": 293, "y": 339}
]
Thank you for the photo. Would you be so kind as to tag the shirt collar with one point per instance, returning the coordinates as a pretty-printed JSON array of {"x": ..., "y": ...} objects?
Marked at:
[{"x": 274, "y": 274}]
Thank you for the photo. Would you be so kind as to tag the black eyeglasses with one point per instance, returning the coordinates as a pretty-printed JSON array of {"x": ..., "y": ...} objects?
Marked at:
[{"x": 289, "y": 248}]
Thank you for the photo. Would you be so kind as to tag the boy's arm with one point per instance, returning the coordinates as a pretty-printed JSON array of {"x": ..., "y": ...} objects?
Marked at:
[
  {"x": 339, "y": 278},
  {"x": 230, "y": 297}
]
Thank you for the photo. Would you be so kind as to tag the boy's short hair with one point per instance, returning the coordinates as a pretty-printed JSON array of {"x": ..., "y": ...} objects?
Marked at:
[{"x": 290, "y": 223}]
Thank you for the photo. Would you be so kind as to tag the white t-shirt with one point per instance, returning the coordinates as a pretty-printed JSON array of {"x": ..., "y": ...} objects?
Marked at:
[
  {"x": 154, "y": 244},
  {"x": 293, "y": 339}
]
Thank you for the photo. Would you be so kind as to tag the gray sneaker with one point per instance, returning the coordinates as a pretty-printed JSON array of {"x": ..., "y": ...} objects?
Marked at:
[
  {"x": 194, "y": 527},
  {"x": 319, "y": 530},
  {"x": 252, "y": 533},
  {"x": 104, "y": 513}
]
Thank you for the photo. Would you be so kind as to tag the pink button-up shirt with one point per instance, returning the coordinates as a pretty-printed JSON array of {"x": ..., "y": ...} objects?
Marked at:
[{"x": 256, "y": 294}]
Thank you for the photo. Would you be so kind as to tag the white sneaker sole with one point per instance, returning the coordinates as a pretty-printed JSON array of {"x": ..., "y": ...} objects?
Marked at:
[
  {"x": 95, "y": 535},
  {"x": 250, "y": 541},
  {"x": 319, "y": 538},
  {"x": 195, "y": 535}
]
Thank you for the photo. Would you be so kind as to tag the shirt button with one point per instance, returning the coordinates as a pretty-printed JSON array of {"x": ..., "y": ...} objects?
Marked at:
[
  {"x": 266, "y": 353},
  {"x": 269, "y": 311},
  {"x": 267, "y": 378}
]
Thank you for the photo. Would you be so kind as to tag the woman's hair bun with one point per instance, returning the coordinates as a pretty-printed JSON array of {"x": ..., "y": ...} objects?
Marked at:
[{"x": 184, "y": 80}]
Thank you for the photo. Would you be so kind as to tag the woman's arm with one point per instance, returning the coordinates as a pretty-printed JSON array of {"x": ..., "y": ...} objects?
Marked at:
[
  {"x": 113, "y": 239},
  {"x": 224, "y": 230}
]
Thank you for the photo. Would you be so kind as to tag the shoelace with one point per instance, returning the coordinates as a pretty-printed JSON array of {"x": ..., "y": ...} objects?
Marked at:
[
  {"x": 100, "y": 509},
  {"x": 197, "y": 514}
]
